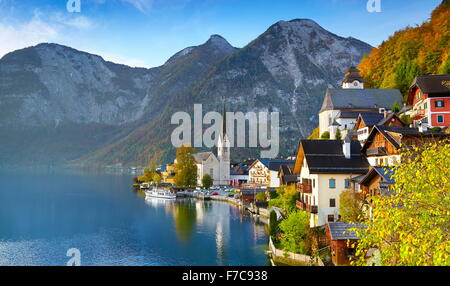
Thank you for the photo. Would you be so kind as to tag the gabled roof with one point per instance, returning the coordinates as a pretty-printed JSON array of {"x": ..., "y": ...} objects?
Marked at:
[
  {"x": 388, "y": 118},
  {"x": 338, "y": 98},
  {"x": 342, "y": 230},
  {"x": 386, "y": 131},
  {"x": 371, "y": 118},
  {"x": 201, "y": 157},
  {"x": 385, "y": 173},
  {"x": 272, "y": 164},
  {"x": 327, "y": 157},
  {"x": 433, "y": 84}
]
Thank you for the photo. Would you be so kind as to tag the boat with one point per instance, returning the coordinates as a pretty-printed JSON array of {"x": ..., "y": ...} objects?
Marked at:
[
  {"x": 145, "y": 186},
  {"x": 161, "y": 194}
]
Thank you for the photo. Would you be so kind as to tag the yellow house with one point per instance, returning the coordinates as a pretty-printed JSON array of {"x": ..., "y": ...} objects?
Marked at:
[{"x": 168, "y": 174}]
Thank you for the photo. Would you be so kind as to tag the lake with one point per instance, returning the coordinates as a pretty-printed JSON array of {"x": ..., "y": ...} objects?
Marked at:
[{"x": 44, "y": 214}]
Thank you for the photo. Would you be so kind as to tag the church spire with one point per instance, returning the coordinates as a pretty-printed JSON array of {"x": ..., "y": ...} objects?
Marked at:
[{"x": 224, "y": 119}]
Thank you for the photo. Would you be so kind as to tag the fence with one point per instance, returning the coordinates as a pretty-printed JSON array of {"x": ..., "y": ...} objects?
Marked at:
[{"x": 298, "y": 259}]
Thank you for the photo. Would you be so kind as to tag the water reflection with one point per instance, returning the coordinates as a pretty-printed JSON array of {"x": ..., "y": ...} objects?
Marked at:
[{"x": 112, "y": 225}]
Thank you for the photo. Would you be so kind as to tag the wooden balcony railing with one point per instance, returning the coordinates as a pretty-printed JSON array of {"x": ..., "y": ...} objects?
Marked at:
[
  {"x": 303, "y": 188},
  {"x": 418, "y": 114},
  {"x": 305, "y": 207},
  {"x": 378, "y": 151}
]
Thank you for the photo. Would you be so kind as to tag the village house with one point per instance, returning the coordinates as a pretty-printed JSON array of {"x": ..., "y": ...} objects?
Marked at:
[
  {"x": 264, "y": 172},
  {"x": 325, "y": 169},
  {"x": 429, "y": 96},
  {"x": 342, "y": 106},
  {"x": 239, "y": 174},
  {"x": 343, "y": 240},
  {"x": 366, "y": 121},
  {"x": 383, "y": 145},
  {"x": 167, "y": 173},
  {"x": 286, "y": 175}
]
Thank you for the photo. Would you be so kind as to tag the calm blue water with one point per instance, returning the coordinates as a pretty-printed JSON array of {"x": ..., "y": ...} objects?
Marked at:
[{"x": 43, "y": 215}]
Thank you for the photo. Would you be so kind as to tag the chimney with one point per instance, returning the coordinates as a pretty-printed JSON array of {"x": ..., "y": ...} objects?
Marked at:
[{"x": 346, "y": 147}]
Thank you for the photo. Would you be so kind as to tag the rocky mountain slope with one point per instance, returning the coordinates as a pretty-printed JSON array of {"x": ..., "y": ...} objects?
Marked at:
[{"x": 59, "y": 105}]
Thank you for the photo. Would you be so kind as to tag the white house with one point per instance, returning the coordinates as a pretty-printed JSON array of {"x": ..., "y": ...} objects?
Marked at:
[
  {"x": 325, "y": 169},
  {"x": 264, "y": 172}
]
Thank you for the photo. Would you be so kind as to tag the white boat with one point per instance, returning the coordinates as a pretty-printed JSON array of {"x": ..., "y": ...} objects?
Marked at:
[{"x": 161, "y": 194}]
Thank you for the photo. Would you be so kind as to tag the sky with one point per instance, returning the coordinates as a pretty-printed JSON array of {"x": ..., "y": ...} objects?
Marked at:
[{"x": 146, "y": 33}]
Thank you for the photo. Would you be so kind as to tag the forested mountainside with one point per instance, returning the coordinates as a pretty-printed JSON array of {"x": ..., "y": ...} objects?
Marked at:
[{"x": 410, "y": 52}]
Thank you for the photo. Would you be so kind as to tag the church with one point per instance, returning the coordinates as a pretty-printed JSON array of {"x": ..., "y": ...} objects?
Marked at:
[
  {"x": 218, "y": 167},
  {"x": 342, "y": 106}
]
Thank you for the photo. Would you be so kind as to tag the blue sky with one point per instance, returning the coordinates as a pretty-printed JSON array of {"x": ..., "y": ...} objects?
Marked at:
[{"x": 147, "y": 32}]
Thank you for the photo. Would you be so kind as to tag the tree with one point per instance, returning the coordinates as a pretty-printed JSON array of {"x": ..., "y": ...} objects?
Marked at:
[
  {"x": 260, "y": 197},
  {"x": 325, "y": 135},
  {"x": 351, "y": 206},
  {"x": 185, "y": 168},
  {"x": 287, "y": 198},
  {"x": 207, "y": 181},
  {"x": 395, "y": 107},
  {"x": 338, "y": 134},
  {"x": 315, "y": 134},
  {"x": 410, "y": 225},
  {"x": 295, "y": 229},
  {"x": 156, "y": 178},
  {"x": 273, "y": 226}
]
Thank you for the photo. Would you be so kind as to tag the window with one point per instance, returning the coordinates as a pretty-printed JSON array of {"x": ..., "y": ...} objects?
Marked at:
[
  {"x": 347, "y": 183},
  {"x": 440, "y": 118},
  {"x": 332, "y": 184},
  {"x": 211, "y": 172},
  {"x": 332, "y": 203},
  {"x": 330, "y": 218},
  {"x": 439, "y": 103}
]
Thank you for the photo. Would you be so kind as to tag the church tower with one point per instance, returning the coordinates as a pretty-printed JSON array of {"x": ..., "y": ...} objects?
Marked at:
[
  {"x": 353, "y": 79},
  {"x": 223, "y": 151}
]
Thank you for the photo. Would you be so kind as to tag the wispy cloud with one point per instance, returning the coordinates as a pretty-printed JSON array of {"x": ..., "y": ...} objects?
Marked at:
[
  {"x": 142, "y": 5},
  {"x": 27, "y": 34},
  {"x": 72, "y": 20}
]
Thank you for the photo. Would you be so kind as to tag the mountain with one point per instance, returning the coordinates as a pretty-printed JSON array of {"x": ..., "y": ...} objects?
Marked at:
[
  {"x": 410, "y": 52},
  {"x": 59, "y": 105}
]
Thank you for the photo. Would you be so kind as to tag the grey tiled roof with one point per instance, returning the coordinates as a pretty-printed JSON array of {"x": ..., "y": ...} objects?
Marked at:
[
  {"x": 339, "y": 98},
  {"x": 432, "y": 84},
  {"x": 200, "y": 157},
  {"x": 341, "y": 230},
  {"x": 372, "y": 118},
  {"x": 327, "y": 157}
]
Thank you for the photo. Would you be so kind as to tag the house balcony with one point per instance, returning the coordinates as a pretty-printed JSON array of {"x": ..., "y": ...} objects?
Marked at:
[
  {"x": 303, "y": 188},
  {"x": 418, "y": 114},
  {"x": 378, "y": 151},
  {"x": 306, "y": 207}
]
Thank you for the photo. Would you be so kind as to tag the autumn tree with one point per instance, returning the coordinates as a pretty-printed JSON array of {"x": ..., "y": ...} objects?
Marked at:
[
  {"x": 350, "y": 206},
  {"x": 410, "y": 224},
  {"x": 325, "y": 135},
  {"x": 295, "y": 229},
  {"x": 185, "y": 167},
  {"x": 207, "y": 181},
  {"x": 338, "y": 135},
  {"x": 156, "y": 178},
  {"x": 286, "y": 199}
]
